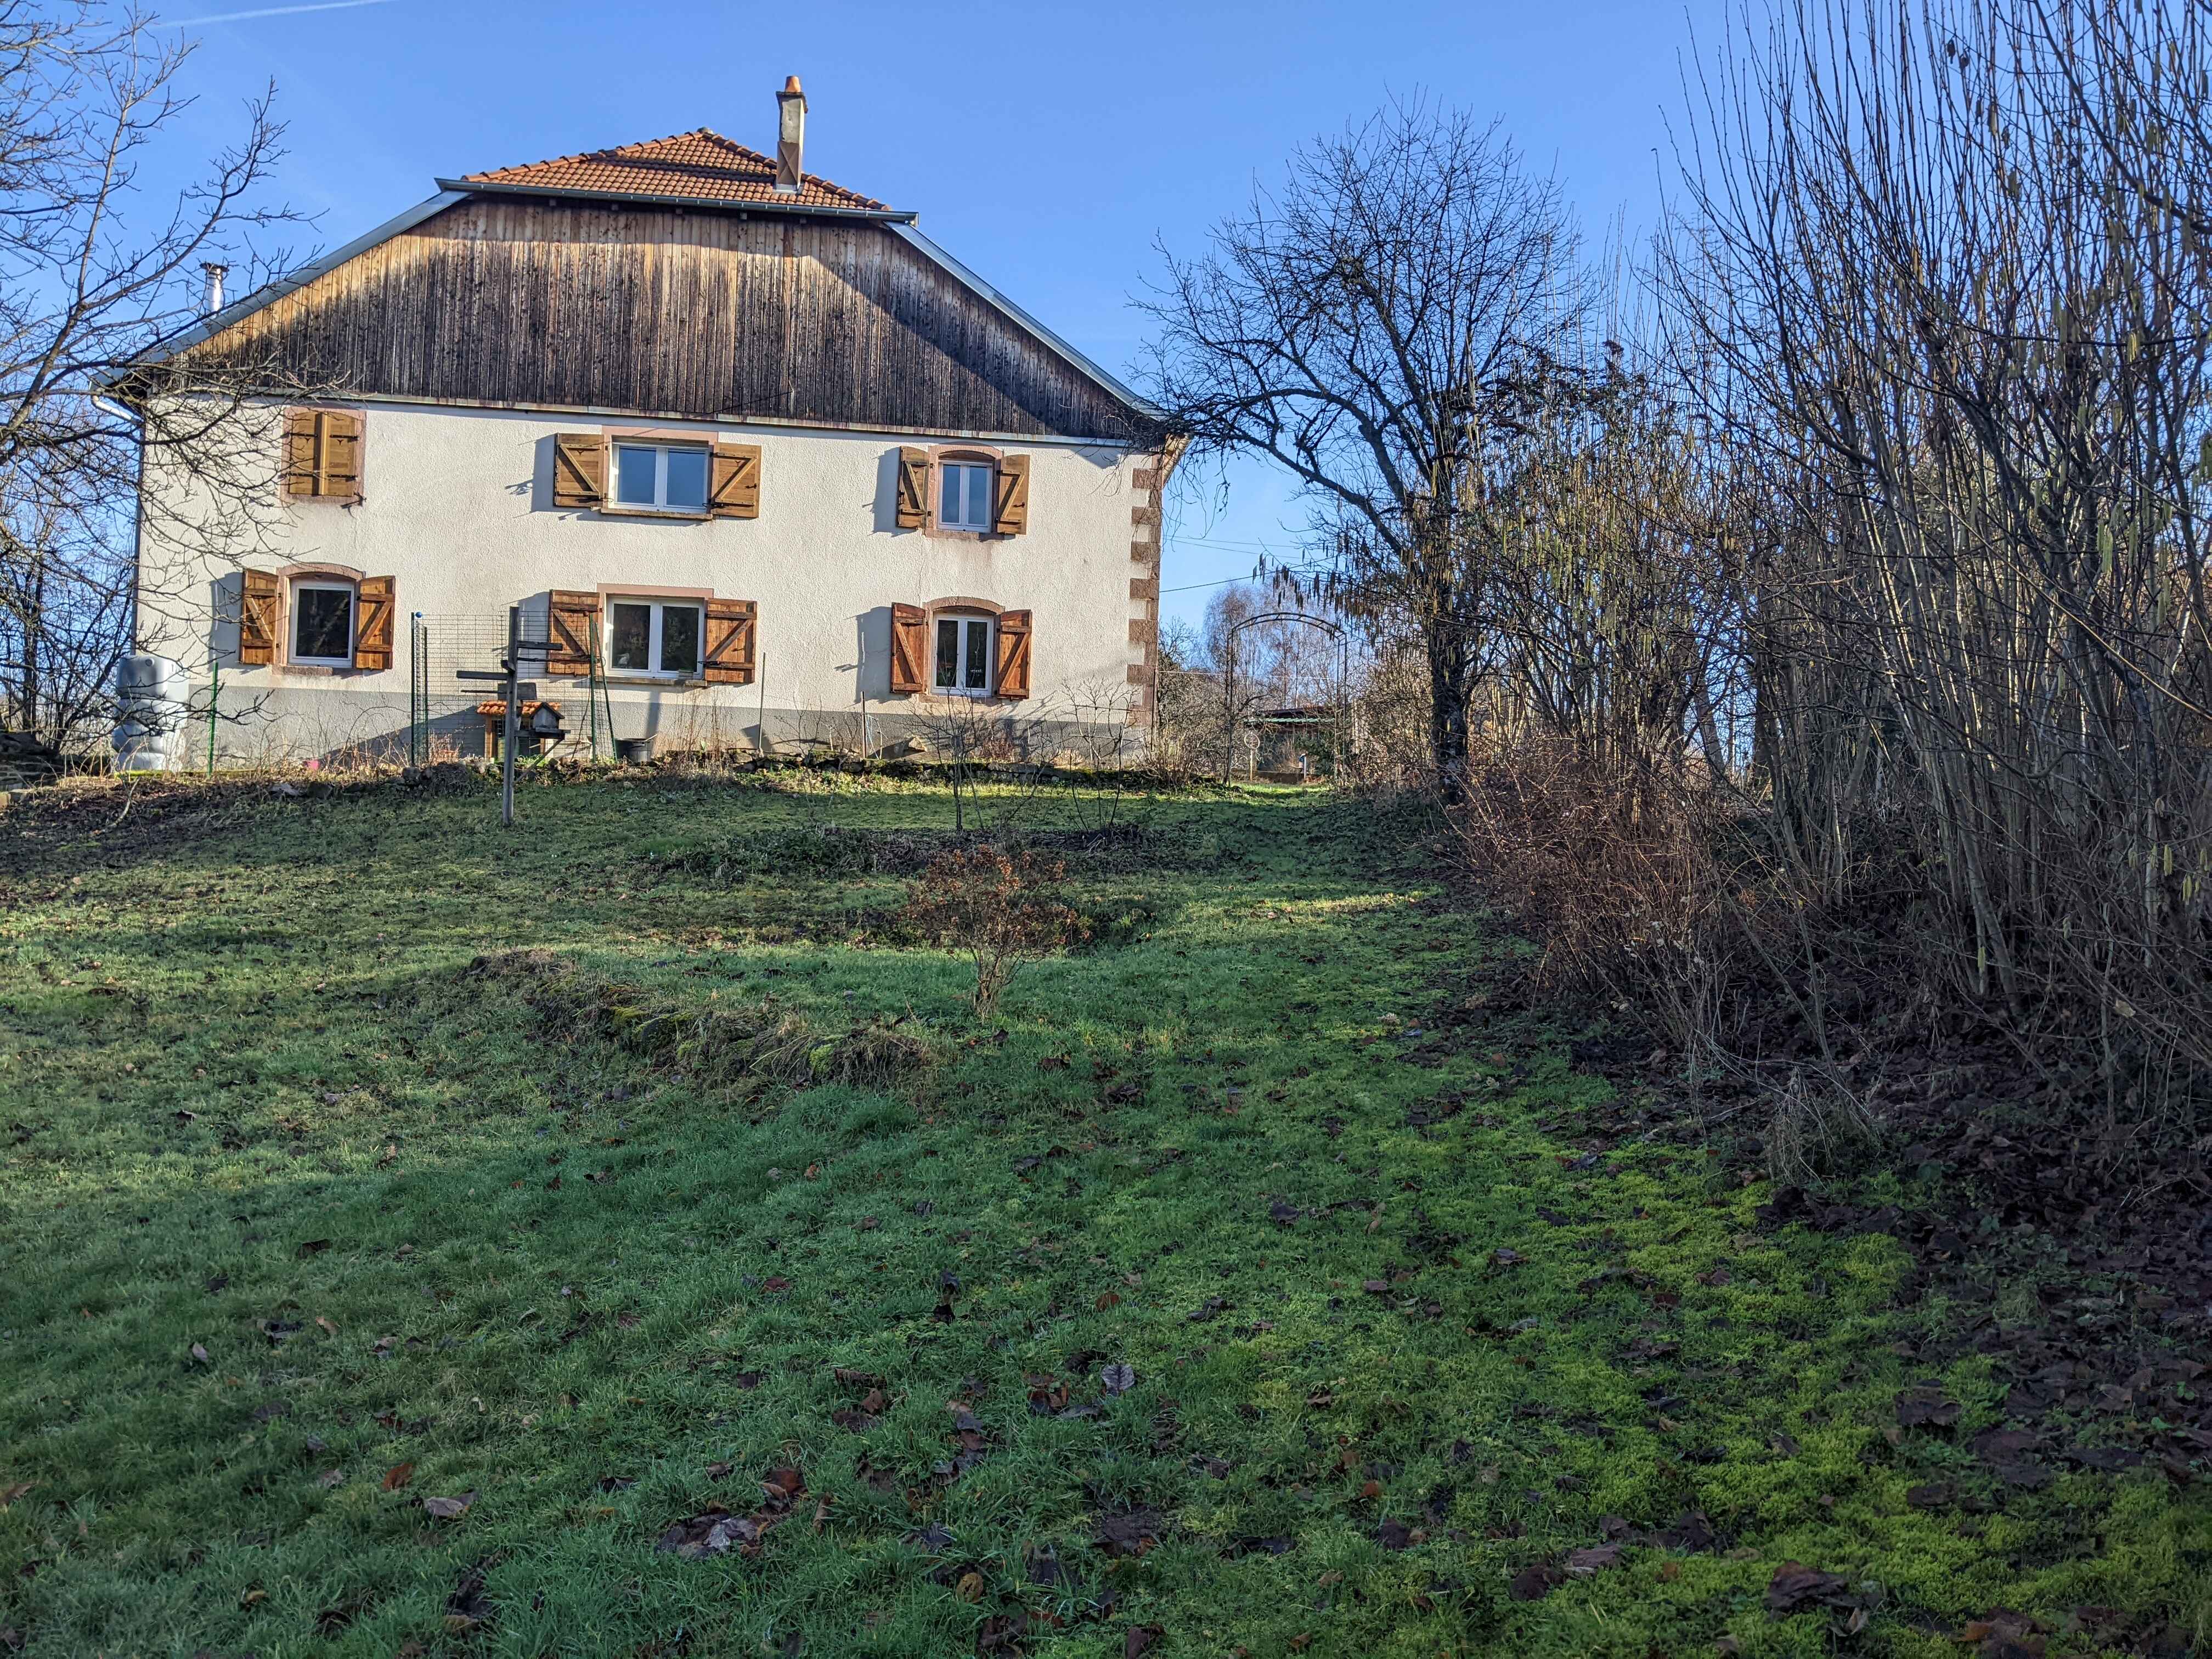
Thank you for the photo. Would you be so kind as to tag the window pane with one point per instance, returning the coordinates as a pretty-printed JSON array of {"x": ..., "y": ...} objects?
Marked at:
[
  {"x": 687, "y": 478},
  {"x": 979, "y": 645},
  {"x": 322, "y": 622},
  {"x": 949, "y": 512},
  {"x": 679, "y": 640},
  {"x": 634, "y": 470},
  {"x": 948, "y": 652},
  {"x": 630, "y": 641}
]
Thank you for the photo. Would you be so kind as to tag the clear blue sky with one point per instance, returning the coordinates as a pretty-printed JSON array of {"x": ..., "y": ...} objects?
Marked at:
[{"x": 1047, "y": 145}]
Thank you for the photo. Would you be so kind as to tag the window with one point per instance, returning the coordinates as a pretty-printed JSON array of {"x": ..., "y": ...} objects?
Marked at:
[
  {"x": 967, "y": 504},
  {"x": 646, "y": 636},
  {"x": 322, "y": 623},
  {"x": 660, "y": 478},
  {"x": 963, "y": 655}
]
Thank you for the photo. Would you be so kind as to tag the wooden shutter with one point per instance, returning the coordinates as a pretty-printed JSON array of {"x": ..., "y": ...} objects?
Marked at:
[
  {"x": 736, "y": 494},
  {"x": 913, "y": 488},
  {"x": 569, "y": 619},
  {"x": 299, "y": 454},
  {"x": 1013, "y": 654},
  {"x": 257, "y": 620},
  {"x": 378, "y": 600},
  {"x": 909, "y": 647},
  {"x": 730, "y": 628},
  {"x": 323, "y": 453},
  {"x": 580, "y": 470},
  {"x": 338, "y": 455},
  {"x": 1012, "y": 496}
]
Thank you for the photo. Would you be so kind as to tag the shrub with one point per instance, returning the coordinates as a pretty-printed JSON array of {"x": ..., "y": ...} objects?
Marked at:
[{"x": 1002, "y": 910}]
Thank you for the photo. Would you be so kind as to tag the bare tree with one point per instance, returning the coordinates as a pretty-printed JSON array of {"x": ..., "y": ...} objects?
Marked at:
[
  {"x": 1384, "y": 327},
  {"x": 90, "y": 283}
]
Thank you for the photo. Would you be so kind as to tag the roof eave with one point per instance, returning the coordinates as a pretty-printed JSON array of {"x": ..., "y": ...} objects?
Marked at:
[
  {"x": 268, "y": 293},
  {"x": 991, "y": 296},
  {"x": 715, "y": 204}
]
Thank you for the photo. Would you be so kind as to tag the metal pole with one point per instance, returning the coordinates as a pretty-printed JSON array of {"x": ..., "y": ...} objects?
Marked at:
[
  {"x": 215, "y": 691},
  {"x": 508, "y": 726},
  {"x": 1336, "y": 724}
]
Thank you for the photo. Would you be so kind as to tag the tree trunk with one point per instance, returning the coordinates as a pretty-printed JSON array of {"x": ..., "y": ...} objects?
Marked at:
[{"x": 1448, "y": 699}]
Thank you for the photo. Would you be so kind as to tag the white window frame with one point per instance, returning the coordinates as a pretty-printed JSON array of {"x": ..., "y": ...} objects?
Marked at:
[
  {"x": 654, "y": 634},
  {"x": 990, "y": 519},
  {"x": 322, "y": 585},
  {"x": 660, "y": 501},
  {"x": 988, "y": 626}
]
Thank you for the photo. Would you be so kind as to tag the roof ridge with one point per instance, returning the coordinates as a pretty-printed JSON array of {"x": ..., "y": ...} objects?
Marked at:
[
  {"x": 609, "y": 149},
  {"x": 726, "y": 155}
]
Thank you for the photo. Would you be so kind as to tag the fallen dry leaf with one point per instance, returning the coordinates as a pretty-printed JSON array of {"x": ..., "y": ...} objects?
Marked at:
[
  {"x": 397, "y": 1476},
  {"x": 329, "y": 1329},
  {"x": 449, "y": 1509},
  {"x": 1535, "y": 1581},
  {"x": 1925, "y": 1408},
  {"x": 1795, "y": 1586}
]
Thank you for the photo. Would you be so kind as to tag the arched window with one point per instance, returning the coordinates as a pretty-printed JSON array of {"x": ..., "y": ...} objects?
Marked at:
[
  {"x": 967, "y": 495},
  {"x": 325, "y": 612},
  {"x": 963, "y": 659}
]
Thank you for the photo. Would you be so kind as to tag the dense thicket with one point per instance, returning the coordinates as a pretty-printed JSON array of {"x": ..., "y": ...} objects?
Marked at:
[{"x": 1831, "y": 613}]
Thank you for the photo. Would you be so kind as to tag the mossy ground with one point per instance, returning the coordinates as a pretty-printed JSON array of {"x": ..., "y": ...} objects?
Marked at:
[{"x": 255, "y": 1102}]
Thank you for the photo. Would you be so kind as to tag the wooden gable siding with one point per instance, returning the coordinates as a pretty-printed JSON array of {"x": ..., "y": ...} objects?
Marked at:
[{"x": 586, "y": 306}]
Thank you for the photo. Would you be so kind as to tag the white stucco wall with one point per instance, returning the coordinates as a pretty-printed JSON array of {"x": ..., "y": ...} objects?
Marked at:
[{"x": 458, "y": 509}]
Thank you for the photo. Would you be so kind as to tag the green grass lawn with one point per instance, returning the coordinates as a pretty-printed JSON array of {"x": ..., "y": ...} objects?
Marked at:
[{"x": 1410, "y": 1370}]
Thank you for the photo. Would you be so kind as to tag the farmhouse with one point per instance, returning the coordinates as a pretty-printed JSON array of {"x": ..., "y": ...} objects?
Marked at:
[{"x": 763, "y": 463}]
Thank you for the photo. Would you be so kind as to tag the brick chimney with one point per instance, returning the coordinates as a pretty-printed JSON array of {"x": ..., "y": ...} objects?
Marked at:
[{"x": 790, "y": 138}]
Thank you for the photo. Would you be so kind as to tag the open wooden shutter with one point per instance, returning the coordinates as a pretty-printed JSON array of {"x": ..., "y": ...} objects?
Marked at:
[
  {"x": 1011, "y": 497},
  {"x": 569, "y": 619},
  {"x": 257, "y": 620},
  {"x": 913, "y": 488},
  {"x": 322, "y": 453},
  {"x": 730, "y": 629},
  {"x": 378, "y": 600},
  {"x": 1013, "y": 654},
  {"x": 909, "y": 647},
  {"x": 580, "y": 469},
  {"x": 736, "y": 482}
]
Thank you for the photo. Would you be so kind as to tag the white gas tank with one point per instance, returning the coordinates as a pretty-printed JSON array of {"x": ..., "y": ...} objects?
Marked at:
[{"x": 153, "y": 697}]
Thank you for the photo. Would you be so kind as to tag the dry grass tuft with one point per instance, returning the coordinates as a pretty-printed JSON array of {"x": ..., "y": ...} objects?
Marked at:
[{"x": 721, "y": 1045}]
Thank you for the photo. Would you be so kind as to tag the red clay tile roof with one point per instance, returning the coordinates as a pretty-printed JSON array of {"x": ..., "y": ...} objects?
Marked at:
[{"x": 701, "y": 166}]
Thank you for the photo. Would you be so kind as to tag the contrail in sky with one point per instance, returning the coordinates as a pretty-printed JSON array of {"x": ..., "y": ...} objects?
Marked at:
[{"x": 274, "y": 11}]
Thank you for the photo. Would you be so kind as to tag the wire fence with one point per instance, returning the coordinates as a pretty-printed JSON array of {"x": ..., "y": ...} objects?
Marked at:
[{"x": 447, "y": 716}]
